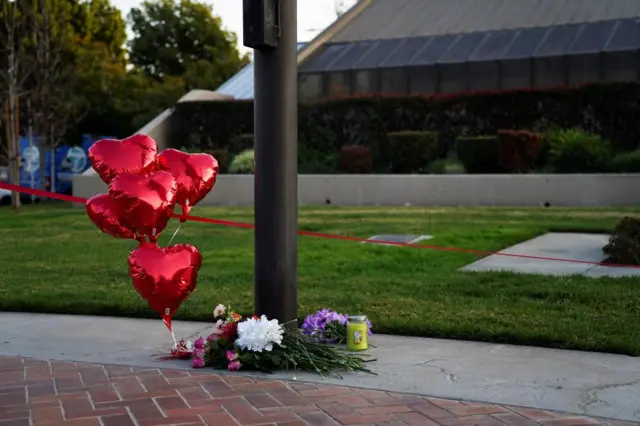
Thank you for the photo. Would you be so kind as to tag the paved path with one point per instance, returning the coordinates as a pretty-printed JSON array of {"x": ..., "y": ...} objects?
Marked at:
[
  {"x": 592, "y": 384},
  {"x": 66, "y": 393}
]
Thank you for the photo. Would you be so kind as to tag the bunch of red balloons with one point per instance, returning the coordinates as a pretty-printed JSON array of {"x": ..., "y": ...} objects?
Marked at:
[{"x": 144, "y": 188}]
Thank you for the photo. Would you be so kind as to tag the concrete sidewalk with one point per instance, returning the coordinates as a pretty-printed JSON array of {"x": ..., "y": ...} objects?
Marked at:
[{"x": 594, "y": 384}]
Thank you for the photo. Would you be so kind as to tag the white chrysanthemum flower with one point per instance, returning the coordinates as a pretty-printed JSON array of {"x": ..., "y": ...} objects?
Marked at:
[
  {"x": 257, "y": 335},
  {"x": 189, "y": 345},
  {"x": 219, "y": 311}
]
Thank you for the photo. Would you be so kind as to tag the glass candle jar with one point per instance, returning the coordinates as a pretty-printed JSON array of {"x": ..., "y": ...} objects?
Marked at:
[{"x": 357, "y": 333}]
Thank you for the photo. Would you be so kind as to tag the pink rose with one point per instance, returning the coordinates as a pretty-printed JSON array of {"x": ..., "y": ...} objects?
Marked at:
[
  {"x": 234, "y": 366},
  {"x": 198, "y": 353},
  {"x": 231, "y": 356},
  {"x": 197, "y": 363},
  {"x": 199, "y": 343}
]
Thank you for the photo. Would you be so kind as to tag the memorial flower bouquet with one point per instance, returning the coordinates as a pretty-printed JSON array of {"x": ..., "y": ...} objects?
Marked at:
[
  {"x": 328, "y": 326},
  {"x": 261, "y": 344}
]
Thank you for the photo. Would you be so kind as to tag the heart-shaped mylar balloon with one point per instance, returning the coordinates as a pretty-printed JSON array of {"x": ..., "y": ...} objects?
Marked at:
[
  {"x": 164, "y": 277},
  {"x": 112, "y": 157},
  {"x": 105, "y": 214},
  {"x": 146, "y": 201},
  {"x": 195, "y": 175}
]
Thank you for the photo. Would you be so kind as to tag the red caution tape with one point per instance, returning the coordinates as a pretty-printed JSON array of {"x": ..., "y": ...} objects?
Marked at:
[{"x": 74, "y": 199}]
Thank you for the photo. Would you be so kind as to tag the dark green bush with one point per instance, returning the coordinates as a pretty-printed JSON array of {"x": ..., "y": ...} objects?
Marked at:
[
  {"x": 311, "y": 161},
  {"x": 575, "y": 151},
  {"x": 356, "y": 159},
  {"x": 609, "y": 110},
  {"x": 624, "y": 243},
  {"x": 241, "y": 143},
  {"x": 411, "y": 151},
  {"x": 479, "y": 154},
  {"x": 628, "y": 162},
  {"x": 222, "y": 156},
  {"x": 446, "y": 166}
]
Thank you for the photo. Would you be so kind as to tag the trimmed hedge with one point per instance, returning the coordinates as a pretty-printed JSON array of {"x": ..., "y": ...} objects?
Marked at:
[
  {"x": 628, "y": 162},
  {"x": 411, "y": 151},
  {"x": 241, "y": 143},
  {"x": 479, "y": 154},
  {"x": 608, "y": 110},
  {"x": 356, "y": 159},
  {"x": 519, "y": 150}
]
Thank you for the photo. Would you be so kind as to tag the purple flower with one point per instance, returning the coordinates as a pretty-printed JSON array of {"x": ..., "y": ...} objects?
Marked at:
[{"x": 317, "y": 323}]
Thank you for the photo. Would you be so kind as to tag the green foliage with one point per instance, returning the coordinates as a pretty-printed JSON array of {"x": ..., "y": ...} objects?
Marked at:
[
  {"x": 519, "y": 150},
  {"x": 410, "y": 151},
  {"x": 356, "y": 159},
  {"x": 576, "y": 151},
  {"x": 240, "y": 143},
  {"x": 222, "y": 156},
  {"x": 479, "y": 154},
  {"x": 624, "y": 244},
  {"x": 627, "y": 162},
  {"x": 311, "y": 161},
  {"x": 243, "y": 162},
  {"x": 183, "y": 38},
  {"x": 446, "y": 166},
  {"x": 608, "y": 110}
]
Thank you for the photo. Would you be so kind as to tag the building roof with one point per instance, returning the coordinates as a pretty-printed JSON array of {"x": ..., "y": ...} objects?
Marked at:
[
  {"x": 240, "y": 86},
  {"x": 620, "y": 35},
  {"x": 390, "y": 19}
]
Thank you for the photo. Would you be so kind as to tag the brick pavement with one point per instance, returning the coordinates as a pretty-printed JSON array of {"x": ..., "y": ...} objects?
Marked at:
[{"x": 34, "y": 392}]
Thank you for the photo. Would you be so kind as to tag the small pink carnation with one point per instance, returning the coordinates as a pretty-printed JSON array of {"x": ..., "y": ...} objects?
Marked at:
[
  {"x": 198, "y": 353},
  {"x": 199, "y": 343},
  {"x": 234, "y": 366},
  {"x": 231, "y": 356},
  {"x": 197, "y": 363}
]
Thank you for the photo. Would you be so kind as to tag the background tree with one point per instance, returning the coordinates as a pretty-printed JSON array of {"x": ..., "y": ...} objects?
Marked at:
[{"x": 172, "y": 37}]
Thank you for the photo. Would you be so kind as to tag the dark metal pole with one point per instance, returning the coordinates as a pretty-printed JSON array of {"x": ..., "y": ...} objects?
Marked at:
[{"x": 276, "y": 172}]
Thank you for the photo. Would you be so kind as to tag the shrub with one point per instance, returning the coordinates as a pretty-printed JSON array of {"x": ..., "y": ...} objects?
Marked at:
[
  {"x": 575, "y": 151},
  {"x": 356, "y": 159},
  {"x": 446, "y": 166},
  {"x": 628, "y": 162},
  {"x": 241, "y": 143},
  {"x": 411, "y": 151},
  {"x": 624, "y": 243},
  {"x": 311, "y": 161},
  {"x": 243, "y": 162},
  {"x": 479, "y": 154},
  {"x": 222, "y": 156},
  {"x": 519, "y": 150}
]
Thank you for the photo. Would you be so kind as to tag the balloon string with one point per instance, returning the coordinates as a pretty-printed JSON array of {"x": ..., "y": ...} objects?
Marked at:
[
  {"x": 173, "y": 336},
  {"x": 174, "y": 235}
]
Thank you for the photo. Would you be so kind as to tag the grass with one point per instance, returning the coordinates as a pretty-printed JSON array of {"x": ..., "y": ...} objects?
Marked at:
[{"x": 52, "y": 259}]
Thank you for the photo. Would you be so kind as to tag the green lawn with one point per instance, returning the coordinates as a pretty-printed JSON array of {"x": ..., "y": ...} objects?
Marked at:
[{"x": 52, "y": 259}]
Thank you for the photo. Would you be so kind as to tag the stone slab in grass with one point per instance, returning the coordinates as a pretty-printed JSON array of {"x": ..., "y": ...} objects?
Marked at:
[
  {"x": 562, "y": 245},
  {"x": 397, "y": 238}
]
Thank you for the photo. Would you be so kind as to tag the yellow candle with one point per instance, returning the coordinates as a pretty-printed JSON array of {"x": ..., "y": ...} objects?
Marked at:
[{"x": 357, "y": 333}]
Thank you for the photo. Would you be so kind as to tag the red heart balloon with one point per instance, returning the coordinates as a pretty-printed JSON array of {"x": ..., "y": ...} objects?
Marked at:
[
  {"x": 111, "y": 157},
  {"x": 195, "y": 174},
  {"x": 146, "y": 201},
  {"x": 164, "y": 277},
  {"x": 105, "y": 214}
]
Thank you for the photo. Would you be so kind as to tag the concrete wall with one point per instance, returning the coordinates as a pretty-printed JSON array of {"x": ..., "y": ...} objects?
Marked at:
[{"x": 438, "y": 190}]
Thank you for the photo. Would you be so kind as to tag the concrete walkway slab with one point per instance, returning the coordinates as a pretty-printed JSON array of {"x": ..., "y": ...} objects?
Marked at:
[
  {"x": 559, "y": 245},
  {"x": 594, "y": 384}
]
